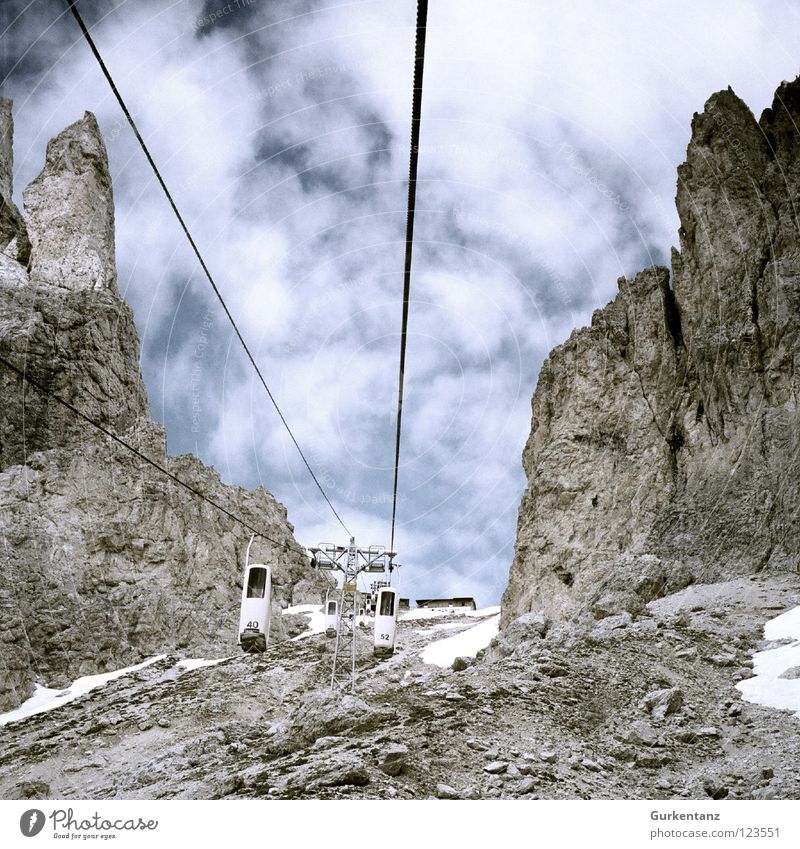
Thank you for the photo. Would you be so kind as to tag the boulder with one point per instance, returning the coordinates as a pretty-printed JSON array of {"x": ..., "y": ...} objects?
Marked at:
[
  {"x": 661, "y": 703},
  {"x": 495, "y": 767},
  {"x": 324, "y": 713},
  {"x": 641, "y": 733},
  {"x": 445, "y": 791},
  {"x": 392, "y": 758}
]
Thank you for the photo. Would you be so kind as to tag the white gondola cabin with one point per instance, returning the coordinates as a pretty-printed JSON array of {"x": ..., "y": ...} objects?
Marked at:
[
  {"x": 385, "y": 621},
  {"x": 331, "y": 617},
  {"x": 255, "y": 611}
]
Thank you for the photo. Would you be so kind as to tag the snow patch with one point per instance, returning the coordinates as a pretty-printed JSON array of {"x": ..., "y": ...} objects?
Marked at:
[
  {"x": 465, "y": 644},
  {"x": 785, "y": 625},
  {"x": 316, "y": 619},
  {"x": 198, "y": 663},
  {"x": 767, "y": 688},
  {"x": 45, "y": 698},
  {"x": 442, "y": 626},
  {"x": 421, "y": 613},
  {"x": 485, "y": 611},
  {"x": 438, "y": 612}
]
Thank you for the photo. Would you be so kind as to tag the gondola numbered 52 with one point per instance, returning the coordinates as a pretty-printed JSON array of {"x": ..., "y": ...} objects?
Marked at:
[{"x": 385, "y": 621}]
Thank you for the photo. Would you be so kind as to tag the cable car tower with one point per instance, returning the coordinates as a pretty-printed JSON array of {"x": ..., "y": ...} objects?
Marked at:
[{"x": 351, "y": 561}]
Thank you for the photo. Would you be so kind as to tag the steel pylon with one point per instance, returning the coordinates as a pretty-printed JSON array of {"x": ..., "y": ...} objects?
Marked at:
[{"x": 344, "y": 654}]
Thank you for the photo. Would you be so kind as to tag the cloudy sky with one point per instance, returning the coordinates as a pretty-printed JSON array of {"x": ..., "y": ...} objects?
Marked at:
[{"x": 550, "y": 137}]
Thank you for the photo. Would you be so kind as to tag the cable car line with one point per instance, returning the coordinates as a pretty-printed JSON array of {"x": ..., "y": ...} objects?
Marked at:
[
  {"x": 416, "y": 112},
  {"x": 64, "y": 403},
  {"x": 74, "y": 9}
]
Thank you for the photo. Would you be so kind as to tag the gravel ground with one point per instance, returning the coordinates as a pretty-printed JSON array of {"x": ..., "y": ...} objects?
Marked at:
[{"x": 643, "y": 708}]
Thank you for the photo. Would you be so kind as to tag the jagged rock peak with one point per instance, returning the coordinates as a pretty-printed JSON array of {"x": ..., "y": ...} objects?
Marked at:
[
  {"x": 14, "y": 242},
  {"x": 70, "y": 210},
  {"x": 105, "y": 561},
  {"x": 6, "y": 148},
  {"x": 665, "y": 442},
  {"x": 62, "y": 318},
  {"x": 779, "y": 121}
]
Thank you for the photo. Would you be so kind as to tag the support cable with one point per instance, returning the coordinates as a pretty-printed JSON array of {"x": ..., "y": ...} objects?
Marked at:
[
  {"x": 74, "y": 9},
  {"x": 104, "y": 430},
  {"x": 416, "y": 112}
]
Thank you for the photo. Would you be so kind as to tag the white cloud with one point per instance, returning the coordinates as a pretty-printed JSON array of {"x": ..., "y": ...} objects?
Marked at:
[{"x": 550, "y": 138}]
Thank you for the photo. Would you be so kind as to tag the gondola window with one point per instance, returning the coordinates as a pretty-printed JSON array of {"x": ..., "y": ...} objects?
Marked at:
[{"x": 256, "y": 583}]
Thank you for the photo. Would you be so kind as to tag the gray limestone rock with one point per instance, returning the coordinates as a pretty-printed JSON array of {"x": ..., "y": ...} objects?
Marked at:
[
  {"x": 340, "y": 770},
  {"x": 105, "y": 560},
  {"x": 68, "y": 332},
  {"x": 641, "y": 733},
  {"x": 6, "y": 148},
  {"x": 324, "y": 712},
  {"x": 393, "y": 758},
  {"x": 495, "y": 767},
  {"x": 81, "y": 345},
  {"x": 665, "y": 440},
  {"x": 70, "y": 212},
  {"x": 244, "y": 727},
  {"x": 14, "y": 241},
  {"x": 445, "y": 791},
  {"x": 661, "y": 703},
  {"x": 613, "y": 623}
]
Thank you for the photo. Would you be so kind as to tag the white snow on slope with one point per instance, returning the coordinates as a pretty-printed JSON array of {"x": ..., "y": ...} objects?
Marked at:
[
  {"x": 45, "y": 699},
  {"x": 316, "y": 621},
  {"x": 436, "y": 613},
  {"x": 485, "y": 611},
  {"x": 198, "y": 663},
  {"x": 767, "y": 688},
  {"x": 465, "y": 644},
  {"x": 785, "y": 625},
  {"x": 442, "y": 626}
]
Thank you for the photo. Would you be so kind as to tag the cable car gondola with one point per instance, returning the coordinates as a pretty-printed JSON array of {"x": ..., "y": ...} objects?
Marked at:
[
  {"x": 385, "y": 621},
  {"x": 331, "y": 617},
  {"x": 254, "y": 617}
]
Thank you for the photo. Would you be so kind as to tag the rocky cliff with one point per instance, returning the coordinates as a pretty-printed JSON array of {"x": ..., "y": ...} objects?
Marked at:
[
  {"x": 61, "y": 317},
  {"x": 665, "y": 444},
  {"x": 104, "y": 561}
]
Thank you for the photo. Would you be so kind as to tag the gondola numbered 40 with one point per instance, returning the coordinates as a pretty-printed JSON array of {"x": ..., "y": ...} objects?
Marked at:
[
  {"x": 385, "y": 621},
  {"x": 254, "y": 616}
]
